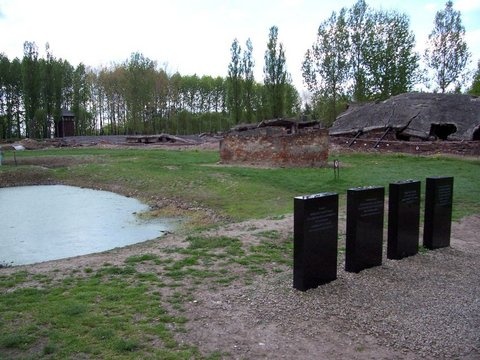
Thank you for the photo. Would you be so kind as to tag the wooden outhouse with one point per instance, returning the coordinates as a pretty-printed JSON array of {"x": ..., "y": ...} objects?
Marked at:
[{"x": 66, "y": 125}]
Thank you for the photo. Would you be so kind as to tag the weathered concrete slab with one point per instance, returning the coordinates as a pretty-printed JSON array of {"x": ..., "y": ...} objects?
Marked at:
[{"x": 419, "y": 115}]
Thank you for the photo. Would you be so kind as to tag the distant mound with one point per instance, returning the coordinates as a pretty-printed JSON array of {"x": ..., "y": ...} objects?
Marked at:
[{"x": 420, "y": 115}]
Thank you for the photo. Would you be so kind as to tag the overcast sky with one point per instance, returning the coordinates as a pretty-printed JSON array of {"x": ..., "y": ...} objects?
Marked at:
[{"x": 194, "y": 37}]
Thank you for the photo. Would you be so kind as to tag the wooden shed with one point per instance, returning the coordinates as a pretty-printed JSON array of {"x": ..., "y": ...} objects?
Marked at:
[{"x": 66, "y": 125}]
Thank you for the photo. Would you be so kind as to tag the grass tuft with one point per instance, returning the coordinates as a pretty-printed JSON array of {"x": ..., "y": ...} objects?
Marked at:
[
  {"x": 126, "y": 345},
  {"x": 15, "y": 340},
  {"x": 141, "y": 258},
  {"x": 217, "y": 242}
]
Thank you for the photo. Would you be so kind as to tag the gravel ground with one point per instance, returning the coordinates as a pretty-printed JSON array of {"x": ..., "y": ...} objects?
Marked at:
[
  {"x": 414, "y": 306},
  {"x": 422, "y": 307}
]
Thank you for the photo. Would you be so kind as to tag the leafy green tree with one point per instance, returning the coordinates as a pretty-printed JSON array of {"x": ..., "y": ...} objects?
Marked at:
[
  {"x": 475, "y": 87},
  {"x": 57, "y": 91},
  {"x": 46, "y": 105},
  {"x": 205, "y": 102},
  {"x": 361, "y": 53},
  {"x": 360, "y": 24},
  {"x": 249, "y": 81},
  {"x": 259, "y": 102},
  {"x": 139, "y": 86},
  {"x": 66, "y": 69},
  {"x": 31, "y": 89},
  {"x": 234, "y": 81},
  {"x": 81, "y": 95},
  {"x": 275, "y": 74},
  {"x": 447, "y": 53},
  {"x": 5, "y": 124},
  {"x": 160, "y": 101},
  {"x": 15, "y": 98},
  {"x": 219, "y": 95},
  {"x": 293, "y": 103},
  {"x": 130, "y": 97},
  {"x": 98, "y": 84},
  {"x": 175, "y": 104},
  {"x": 205, "y": 89},
  {"x": 321, "y": 108},
  {"x": 390, "y": 60},
  {"x": 382, "y": 57},
  {"x": 48, "y": 89},
  {"x": 326, "y": 66},
  {"x": 58, "y": 84},
  {"x": 190, "y": 89}
]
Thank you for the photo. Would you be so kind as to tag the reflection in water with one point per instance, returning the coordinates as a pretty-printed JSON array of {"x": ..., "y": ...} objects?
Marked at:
[{"x": 40, "y": 223}]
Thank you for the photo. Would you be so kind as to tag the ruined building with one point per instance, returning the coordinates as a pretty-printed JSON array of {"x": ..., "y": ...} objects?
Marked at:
[
  {"x": 279, "y": 143},
  {"x": 413, "y": 117}
]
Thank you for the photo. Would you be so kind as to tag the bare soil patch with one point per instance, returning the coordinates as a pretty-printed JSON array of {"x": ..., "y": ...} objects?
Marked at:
[{"x": 51, "y": 161}]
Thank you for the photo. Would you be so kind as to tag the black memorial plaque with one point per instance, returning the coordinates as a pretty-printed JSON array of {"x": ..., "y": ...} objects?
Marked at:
[
  {"x": 438, "y": 212},
  {"x": 315, "y": 231},
  {"x": 365, "y": 213},
  {"x": 403, "y": 219}
]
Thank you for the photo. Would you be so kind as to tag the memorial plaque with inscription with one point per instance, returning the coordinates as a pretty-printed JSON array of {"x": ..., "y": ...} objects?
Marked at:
[
  {"x": 438, "y": 212},
  {"x": 403, "y": 219},
  {"x": 365, "y": 214},
  {"x": 315, "y": 228}
]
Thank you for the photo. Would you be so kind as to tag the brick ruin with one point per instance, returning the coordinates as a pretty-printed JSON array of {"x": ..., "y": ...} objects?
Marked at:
[{"x": 278, "y": 143}]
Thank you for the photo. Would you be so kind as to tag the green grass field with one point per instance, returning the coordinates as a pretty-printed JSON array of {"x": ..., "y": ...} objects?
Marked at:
[
  {"x": 134, "y": 310},
  {"x": 242, "y": 193}
]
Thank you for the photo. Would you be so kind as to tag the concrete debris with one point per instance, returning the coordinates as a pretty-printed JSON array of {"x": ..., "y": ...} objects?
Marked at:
[{"x": 415, "y": 115}]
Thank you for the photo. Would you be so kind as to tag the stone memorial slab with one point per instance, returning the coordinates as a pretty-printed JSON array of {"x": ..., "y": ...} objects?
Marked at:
[
  {"x": 403, "y": 219},
  {"x": 365, "y": 214},
  {"x": 438, "y": 212},
  {"x": 315, "y": 231}
]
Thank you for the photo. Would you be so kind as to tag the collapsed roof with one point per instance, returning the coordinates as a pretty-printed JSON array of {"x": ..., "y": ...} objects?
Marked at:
[
  {"x": 421, "y": 115},
  {"x": 290, "y": 124}
]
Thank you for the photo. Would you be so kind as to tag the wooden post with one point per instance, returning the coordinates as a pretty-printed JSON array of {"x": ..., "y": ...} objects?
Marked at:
[{"x": 336, "y": 169}]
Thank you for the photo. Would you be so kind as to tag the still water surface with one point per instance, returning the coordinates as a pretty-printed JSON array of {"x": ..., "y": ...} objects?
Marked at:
[{"x": 40, "y": 223}]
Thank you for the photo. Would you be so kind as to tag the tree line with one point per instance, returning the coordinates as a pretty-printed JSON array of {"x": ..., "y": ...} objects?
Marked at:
[
  {"x": 360, "y": 54},
  {"x": 133, "y": 97},
  {"x": 277, "y": 96},
  {"x": 363, "y": 54}
]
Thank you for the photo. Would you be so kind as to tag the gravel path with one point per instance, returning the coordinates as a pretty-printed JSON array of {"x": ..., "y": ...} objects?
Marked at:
[{"x": 422, "y": 307}]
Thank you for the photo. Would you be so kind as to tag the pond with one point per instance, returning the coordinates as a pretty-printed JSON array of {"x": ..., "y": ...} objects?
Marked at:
[{"x": 49, "y": 222}]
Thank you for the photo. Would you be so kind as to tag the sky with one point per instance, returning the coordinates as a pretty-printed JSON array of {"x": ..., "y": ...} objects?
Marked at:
[{"x": 195, "y": 36}]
